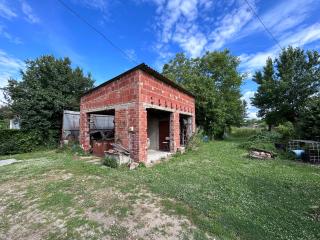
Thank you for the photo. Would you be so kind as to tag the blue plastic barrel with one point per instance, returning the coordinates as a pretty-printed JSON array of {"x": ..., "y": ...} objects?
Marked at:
[{"x": 298, "y": 153}]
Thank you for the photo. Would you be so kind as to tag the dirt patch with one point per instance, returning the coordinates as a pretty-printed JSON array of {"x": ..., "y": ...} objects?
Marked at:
[
  {"x": 55, "y": 175},
  {"x": 145, "y": 218},
  {"x": 50, "y": 205}
]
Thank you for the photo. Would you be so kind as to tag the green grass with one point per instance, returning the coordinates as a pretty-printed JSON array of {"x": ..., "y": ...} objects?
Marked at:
[
  {"x": 234, "y": 197},
  {"x": 221, "y": 191}
]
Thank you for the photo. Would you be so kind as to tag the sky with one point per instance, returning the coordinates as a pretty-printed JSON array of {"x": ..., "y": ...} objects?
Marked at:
[{"x": 152, "y": 31}]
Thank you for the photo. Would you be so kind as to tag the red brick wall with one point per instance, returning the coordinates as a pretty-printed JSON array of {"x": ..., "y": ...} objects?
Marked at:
[
  {"x": 121, "y": 91},
  {"x": 128, "y": 95},
  {"x": 154, "y": 91}
]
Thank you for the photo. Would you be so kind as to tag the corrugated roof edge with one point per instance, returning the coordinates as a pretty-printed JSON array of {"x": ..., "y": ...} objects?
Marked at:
[{"x": 147, "y": 69}]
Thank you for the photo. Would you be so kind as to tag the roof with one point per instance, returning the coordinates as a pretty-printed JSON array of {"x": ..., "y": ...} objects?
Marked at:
[{"x": 144, "y": 67}]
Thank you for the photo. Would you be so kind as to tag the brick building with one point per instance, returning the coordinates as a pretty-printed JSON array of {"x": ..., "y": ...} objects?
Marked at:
[{"x": 151, "y": 113}]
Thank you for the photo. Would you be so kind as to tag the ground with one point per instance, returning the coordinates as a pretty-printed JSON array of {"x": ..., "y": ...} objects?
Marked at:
[{"x": 214, "y": 192}]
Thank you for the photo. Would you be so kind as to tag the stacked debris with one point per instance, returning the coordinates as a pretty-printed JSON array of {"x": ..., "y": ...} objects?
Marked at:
[
  {"x": 261, "y": 154},
  {"x": 120, "y": 153}
]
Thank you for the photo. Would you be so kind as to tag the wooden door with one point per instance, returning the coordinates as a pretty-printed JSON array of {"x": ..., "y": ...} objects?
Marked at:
[{"x": 164, "y": 135}]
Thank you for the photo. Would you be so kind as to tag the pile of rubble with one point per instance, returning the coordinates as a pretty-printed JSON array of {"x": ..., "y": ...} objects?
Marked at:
[
  {"x": 122, "y": 155},
  {"x": 261, "y": 154}
]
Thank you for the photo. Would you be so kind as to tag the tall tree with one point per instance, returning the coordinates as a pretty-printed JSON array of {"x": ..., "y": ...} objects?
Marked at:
[
  {"x": 286, "y": 84},
  {"x": 215, "y": 82},
  {"x": 48, "y": 86},
  {"x": 309, "y": 122}
]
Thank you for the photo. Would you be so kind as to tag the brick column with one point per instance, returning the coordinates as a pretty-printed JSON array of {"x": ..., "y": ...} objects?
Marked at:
[
  {"x": 194, "y": 118},
  {"x": 131, "y": 131},
  {"x": 142, "y": 134},
  {"x": 84, "y": 131},
  {"x": 174, "y": 131},
  {"x": 121, "y": 127}
]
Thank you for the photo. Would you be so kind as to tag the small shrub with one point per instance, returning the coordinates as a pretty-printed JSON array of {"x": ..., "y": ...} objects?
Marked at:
[
  {"x": 264, "y": 141},
  {"x": 244, "y": 132},
  {"x": 4, "y": 124},
  {"x": 286, "y": 130},
  {"x": 195, "y": 140},
  {"x": 111, "y": 162},
  {"x": 73, "y": 148}
]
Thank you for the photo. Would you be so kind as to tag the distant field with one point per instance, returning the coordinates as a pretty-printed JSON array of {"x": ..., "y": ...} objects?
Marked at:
[{"x": 214, "y": 192}]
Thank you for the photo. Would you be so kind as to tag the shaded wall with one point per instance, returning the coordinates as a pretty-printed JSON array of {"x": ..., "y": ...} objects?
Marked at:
[{"x": 153, "y": 132}]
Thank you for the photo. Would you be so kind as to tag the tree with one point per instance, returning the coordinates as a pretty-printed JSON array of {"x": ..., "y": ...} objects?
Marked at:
[
  {"x": 48, "y": 86},
  {"x": 286, "y": 84},
  {"x": 215, "y": 82},
  {"x": 309, "y": 122},
  {"x": 5, "y": 112}
]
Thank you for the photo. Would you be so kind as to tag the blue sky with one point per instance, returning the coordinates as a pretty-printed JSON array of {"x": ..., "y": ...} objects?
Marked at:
[{"x": 152, "y": 31}]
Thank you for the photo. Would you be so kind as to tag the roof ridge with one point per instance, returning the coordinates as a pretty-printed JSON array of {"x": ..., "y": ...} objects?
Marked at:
[{"x": 144, "y": 67}]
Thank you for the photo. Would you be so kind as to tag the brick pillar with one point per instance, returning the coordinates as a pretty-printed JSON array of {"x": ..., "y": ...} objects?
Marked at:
[
  {"x": 131, "y": 131},
  {"x": 84, "y": 131},
  {"x": 174, "y": 131},
  {"x": 121, "y": 127},
  {"x": 194, "y": 119},
  {"x": 142, "y": 134}
]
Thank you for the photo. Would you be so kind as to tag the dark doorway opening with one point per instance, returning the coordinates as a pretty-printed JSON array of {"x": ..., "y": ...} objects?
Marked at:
[
  {"x": 185, "y": 129},
  {"x": 102, "y": 130},
  {"x": 158, "y": 129}
]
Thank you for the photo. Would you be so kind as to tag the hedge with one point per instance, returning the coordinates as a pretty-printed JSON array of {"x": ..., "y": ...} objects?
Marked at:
[{"x": 14, "y": 141}]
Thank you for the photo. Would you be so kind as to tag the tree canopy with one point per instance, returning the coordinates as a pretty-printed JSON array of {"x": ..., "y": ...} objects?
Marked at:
[
  {"x": 286, "y": 84},
  {"x": 215, "y": 82},
  {"x": 48, "y": 86},
  {"x": 308, "y": 125}
]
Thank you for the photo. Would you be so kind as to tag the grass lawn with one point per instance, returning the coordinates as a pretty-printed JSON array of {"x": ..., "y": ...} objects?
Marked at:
[{"x": 214, "y": 192}]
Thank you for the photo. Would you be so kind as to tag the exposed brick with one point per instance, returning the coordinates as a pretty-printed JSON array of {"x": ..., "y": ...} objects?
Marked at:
[{"x": 137, "y": 88}]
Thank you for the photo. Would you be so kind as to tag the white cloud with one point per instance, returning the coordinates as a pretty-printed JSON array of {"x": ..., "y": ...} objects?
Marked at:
[
  {"x": 190, "y": 39},
  {"x": 5, "y": 11},
  {"x": 132, "y": 55},
  {"x": 8, "y": 36},
  {"x": 252, "y": 62},
  {"x": 9, "y": 67},
  {"x": 229, "y": 26},
  {"x": 29, "y": 14},
  {"x": 251, "y": 110},
  {"x": 180, "y": 22},
  {"x": 304, "y": 36},
  {"x": 252, "y": 115},
  {"x": 177, "y": 23},
  {"x": 283, "y": 17},
  {"x": 93, "y": 4}
]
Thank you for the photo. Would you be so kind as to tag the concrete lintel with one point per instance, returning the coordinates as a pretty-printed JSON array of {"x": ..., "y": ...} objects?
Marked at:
[
  {"x": 109, "y": 107},
  {"x": 148, "y": 105}
]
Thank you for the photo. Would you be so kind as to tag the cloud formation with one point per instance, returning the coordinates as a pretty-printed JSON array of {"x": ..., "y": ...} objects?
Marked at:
[
  {"x": 8, "y": 36},
  {"x": 93, "y": 4},
  {"x": 302, "y": 37},
  {"x": 9, "y": 67},
  {"x": 28, "y": 12},
  {"x": 6, "y": 11},
  {"x": 251, "y": 110}
]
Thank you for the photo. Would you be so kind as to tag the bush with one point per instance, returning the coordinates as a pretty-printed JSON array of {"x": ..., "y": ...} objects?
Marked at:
[
  {"x": 286, "y": 130},
  {"x": 14, "y": 141},
  {"x": 195, "y": 140},
  {"x": 308, "y": 125},
  {"x": 111, "y": 162},
  {"x": 73, "y": 148},
  {"x": 264, "y": 140},
  {"x": 244, "y": 132},
  {"x": 4, "y": 124}
]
